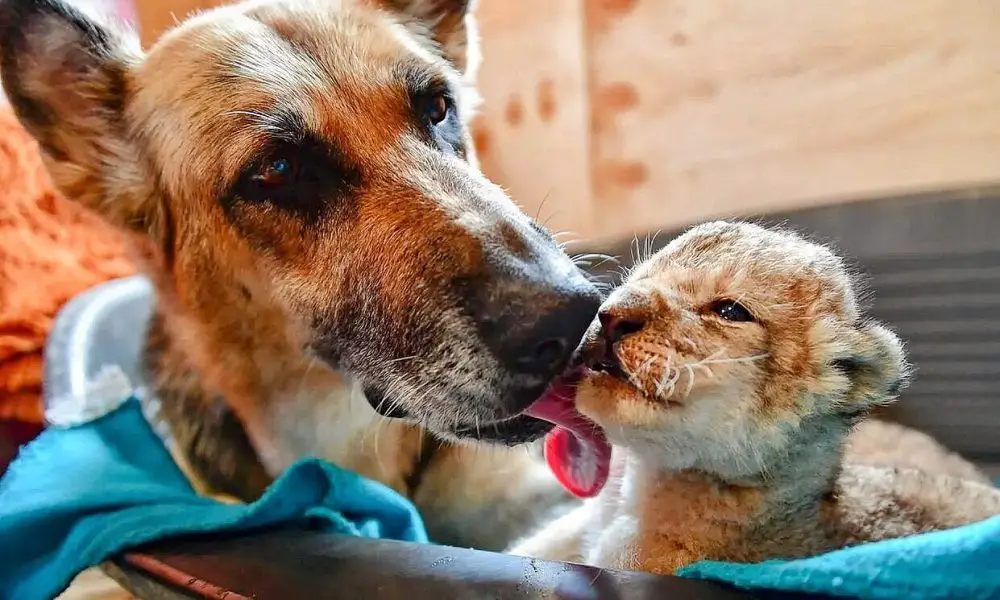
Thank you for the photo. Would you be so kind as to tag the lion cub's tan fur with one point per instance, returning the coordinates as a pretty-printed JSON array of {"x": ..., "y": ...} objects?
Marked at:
[
  {"x": 729, "y": 435},
  {"x": 880, "y": 443}
]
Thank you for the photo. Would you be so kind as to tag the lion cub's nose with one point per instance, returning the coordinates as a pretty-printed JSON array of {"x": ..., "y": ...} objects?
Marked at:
[
  {"x": 615, "y": 326},
  {"x": 598, "y": 350}
]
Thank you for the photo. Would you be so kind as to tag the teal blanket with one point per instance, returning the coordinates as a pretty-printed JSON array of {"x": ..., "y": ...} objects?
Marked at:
[
  {"x": 76, "y": 496},
  {"x": 962, "y": 563}
]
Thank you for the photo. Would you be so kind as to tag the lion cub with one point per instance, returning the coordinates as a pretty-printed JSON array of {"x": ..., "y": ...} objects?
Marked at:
[{"x": 727, "y": 373}]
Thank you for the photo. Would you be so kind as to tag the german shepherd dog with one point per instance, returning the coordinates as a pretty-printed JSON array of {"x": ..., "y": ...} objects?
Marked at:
[{"x": 335, "y": 276}]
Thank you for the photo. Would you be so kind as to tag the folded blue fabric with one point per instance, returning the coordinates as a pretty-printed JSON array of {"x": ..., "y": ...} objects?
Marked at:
[
  {"x": 961, "y": 563},
  {"x": 76, "y": 496}
]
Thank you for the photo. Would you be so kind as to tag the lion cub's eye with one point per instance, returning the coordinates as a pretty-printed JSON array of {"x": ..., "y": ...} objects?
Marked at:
[{"x": 731, "y": 310}]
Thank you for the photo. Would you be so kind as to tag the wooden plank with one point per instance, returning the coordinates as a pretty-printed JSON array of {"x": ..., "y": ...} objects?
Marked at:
[
  {"x": 532, "y": 132},
  {"x": 707, "y": 108},
  {"x": 302, "y": 565}
]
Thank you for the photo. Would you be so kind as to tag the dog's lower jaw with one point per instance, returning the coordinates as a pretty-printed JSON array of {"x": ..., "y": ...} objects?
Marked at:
[
  {"x": 515, "y": 431},
  {"x": 469, "y": 495}
]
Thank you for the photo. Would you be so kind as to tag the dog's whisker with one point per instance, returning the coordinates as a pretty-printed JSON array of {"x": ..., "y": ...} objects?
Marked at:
[
  {"x": 313, "y": 361},
  {"x": 591, "y": 256},
  {"x": 559, "y": 234},
  {"x": 390, "y": 398},
  {"x": 545, "y": 223},
  {"x": 652, "y": 243},
  {"x": 402, "y": 359},
  {"x": 541, "y": 204}
]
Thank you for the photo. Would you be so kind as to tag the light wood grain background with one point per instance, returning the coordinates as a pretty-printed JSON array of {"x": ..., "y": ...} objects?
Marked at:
[{"x": 608, "y": 117}]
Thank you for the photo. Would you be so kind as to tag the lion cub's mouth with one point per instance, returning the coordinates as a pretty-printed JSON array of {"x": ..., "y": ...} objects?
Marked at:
[
  {"x": 601, "y": 360},
  {"x": 609, "y": 365}
]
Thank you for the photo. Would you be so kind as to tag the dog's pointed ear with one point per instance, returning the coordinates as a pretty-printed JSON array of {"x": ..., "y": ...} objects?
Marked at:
[
  {"x": 66, "y": 77},
  {"x": 451, "y": 26},
  {"x": 877, "y": 367}
]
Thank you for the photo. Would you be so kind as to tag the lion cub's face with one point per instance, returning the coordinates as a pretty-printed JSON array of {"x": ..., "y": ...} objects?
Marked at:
[{"x": 725, "y": 341}]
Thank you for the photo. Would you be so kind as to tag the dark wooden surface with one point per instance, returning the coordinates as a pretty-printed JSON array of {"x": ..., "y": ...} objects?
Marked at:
[{"x": 308, "y": 566}]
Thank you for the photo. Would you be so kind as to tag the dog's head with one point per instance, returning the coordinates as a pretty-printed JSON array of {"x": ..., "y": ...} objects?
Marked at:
[{"x": 304, "y": 172}]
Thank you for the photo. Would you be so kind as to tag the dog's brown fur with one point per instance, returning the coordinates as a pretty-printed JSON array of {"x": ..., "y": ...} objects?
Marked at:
[
  {"x": 729, "y": 431},
  {"x": 387, "y": 277}
]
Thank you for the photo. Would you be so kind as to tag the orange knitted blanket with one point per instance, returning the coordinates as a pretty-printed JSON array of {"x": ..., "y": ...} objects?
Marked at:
[{"x": 50, "y": 250}]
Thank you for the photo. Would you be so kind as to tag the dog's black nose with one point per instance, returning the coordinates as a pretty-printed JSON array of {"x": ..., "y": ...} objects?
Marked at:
[
  {"x": 541, "y": 358},
  {"x": 548, "y": 344},
  {"x": 538, "y": 336}
]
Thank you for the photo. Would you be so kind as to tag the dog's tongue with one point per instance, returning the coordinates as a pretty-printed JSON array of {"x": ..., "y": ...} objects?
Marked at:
[{"x": 576, "y": 450}]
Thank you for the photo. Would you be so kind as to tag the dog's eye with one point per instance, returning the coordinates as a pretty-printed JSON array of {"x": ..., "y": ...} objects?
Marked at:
[
  {"x": 276, "y": 171},
  {"x": 731, "y": 310},
  {"x": 436, "y": 116},
  {"x": 437, "y": 109},
  {"x": 306, "y": 175}
]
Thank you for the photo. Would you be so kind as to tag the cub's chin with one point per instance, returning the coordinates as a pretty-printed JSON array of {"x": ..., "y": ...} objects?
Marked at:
[{"x": 613, "y": 402}]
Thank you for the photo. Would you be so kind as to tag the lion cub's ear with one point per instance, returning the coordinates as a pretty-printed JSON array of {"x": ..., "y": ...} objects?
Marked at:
[{"x": 877, "y": 368}]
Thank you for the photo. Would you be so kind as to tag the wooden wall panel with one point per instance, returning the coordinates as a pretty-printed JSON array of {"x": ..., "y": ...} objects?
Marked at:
[
  {"x": 533, "y": 134},
  {"x": 705, "y": 108}
]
